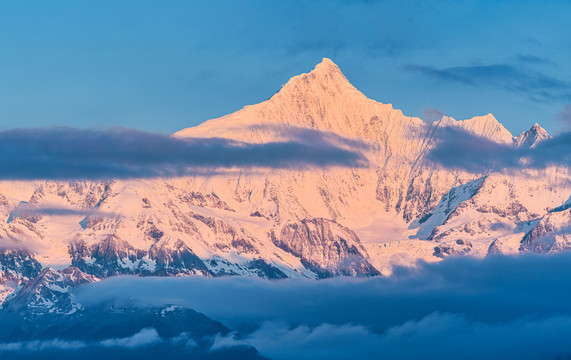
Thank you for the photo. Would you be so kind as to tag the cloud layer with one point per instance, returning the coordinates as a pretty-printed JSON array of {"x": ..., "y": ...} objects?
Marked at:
[
  {"x": 64, "y": 153},
  {"x": 456, "y": 148},
  {"x": 459, "y": 308}
]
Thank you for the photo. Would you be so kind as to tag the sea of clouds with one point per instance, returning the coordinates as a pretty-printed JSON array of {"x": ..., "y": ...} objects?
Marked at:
[{"x": 498, "y": 307}]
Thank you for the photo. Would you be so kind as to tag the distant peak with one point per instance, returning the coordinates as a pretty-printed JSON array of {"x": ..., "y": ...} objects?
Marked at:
[
  {"x": 537, "y": 128},
  {"x": 532, "y": 137}
]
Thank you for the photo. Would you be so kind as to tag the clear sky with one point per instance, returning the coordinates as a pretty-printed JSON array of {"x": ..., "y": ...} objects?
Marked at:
[{"x": 166, "y": 65}]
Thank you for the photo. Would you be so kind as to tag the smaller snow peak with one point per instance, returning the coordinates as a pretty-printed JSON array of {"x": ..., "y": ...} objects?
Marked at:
[
  {"x": 531, "y": 137},
  {"x": 536, "y": 128},
  {"x": 446, "y": 120},
  {"x": 486, "y": 126}
]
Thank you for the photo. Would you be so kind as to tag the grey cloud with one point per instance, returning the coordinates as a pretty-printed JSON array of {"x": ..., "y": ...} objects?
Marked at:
[
  {"x": 461, "y": 307},
  {"x": 535, "y": 85},
  {"x": 435, "y": 336},
  {"x": 64, "y": 153},
  {"x": 456, "y": 148},
  {"x": 24, "y": 209}
]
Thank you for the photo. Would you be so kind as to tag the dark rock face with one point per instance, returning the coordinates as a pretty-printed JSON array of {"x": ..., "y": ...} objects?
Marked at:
[
  {"x": 48, "y": 292},
  {"x": 266, "y": 270},
  {"x": 204, "y": 200},
  {"x": 453, "y": 248},
  {"x": 18, "y": 264},
  {"x": 106, "y": 258},
  {"x": 550, "y": 234},
  {"x": 17, "y": 267},
  {"x": 494, "y": 248},
  {"x": 229, "y": 238},
  {"x": 325, "y": 247},
  {"x": 114, "y": 256},
  {"x": 531, "y": 241},
  {"x": 177, "y": 260}
]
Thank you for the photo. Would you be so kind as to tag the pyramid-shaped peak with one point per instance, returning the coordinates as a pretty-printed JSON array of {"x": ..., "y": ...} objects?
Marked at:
[
  {"x": 532, "y": 137},
  {"x": 538, "y": 129},
  {"x": 325, "y": 83}
]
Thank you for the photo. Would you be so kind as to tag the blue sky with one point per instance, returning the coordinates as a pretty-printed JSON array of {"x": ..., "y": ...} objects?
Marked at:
[{"x": 163, "y": 66}]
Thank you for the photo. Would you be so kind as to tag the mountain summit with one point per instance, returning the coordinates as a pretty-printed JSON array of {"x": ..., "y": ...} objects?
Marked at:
[
  {"x": 322, "y": 99},
  {"x": 325, "y": 100}
]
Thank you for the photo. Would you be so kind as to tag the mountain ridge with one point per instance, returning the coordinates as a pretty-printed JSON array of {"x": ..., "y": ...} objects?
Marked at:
[
  {"x": 321, "y": 86},
  {"x": 278, "y": 223}
]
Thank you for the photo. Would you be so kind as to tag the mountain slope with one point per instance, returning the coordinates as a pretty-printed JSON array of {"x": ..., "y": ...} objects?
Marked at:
[{"x": 289, "y": 223}]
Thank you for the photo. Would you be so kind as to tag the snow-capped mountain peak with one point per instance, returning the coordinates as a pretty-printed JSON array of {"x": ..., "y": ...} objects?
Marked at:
[{"x": 322, "y": 99}]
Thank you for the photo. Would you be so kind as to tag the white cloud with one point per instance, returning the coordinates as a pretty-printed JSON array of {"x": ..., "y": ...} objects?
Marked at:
[{"x": 147, "y": 336}]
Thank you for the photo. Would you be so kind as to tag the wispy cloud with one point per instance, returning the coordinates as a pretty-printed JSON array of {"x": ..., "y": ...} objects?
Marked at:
[
  {"x": 24, "y": 209},
  {"x": 145, "y": 337},
  {"x": 65, "y": 153},
  {"x": 534, "y": 60},
  {"x": 144, "y": 344},
  {"x": 535, "y": 85},
  {"x": 431, "y": 115},
  {"x": 565, "y": 115}
]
